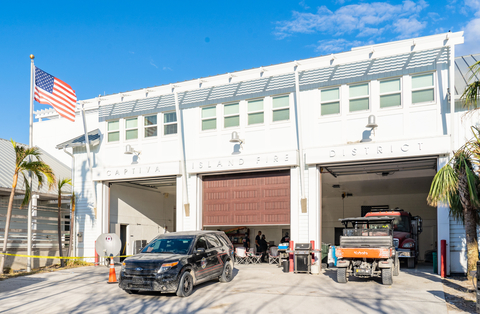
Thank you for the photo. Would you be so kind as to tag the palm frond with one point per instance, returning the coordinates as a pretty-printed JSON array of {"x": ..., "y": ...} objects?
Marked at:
[
  {"x": 28, "y": 191},
  {"x": 444, "y": 185},
  {"x": 63, "y": 182},
  {"x": 471, "y": 93}
]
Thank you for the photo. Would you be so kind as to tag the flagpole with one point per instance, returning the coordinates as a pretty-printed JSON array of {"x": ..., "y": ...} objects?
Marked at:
[{"x": 30, "y": 144}]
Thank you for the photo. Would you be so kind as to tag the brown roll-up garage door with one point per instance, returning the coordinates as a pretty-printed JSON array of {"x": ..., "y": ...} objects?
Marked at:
[{"x": 258, "y": 198}]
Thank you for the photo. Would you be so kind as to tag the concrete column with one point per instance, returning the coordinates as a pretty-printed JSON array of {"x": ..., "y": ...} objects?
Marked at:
[
  {"x": 294, "y": 204},
  {"x": 179, "y": 206},
  {"x": 314, "y": 227}
]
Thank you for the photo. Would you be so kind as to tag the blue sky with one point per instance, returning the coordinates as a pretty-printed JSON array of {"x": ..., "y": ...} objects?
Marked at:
[{"x": 106, "y": 47}]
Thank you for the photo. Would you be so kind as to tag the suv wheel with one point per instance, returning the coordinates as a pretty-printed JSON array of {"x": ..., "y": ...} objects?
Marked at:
[
  {"x": 227, "y": 274},
  {"x": 387, "y": 278},
  {"x": 185, "y": 286},
  {"x": 342, "y": 275}
]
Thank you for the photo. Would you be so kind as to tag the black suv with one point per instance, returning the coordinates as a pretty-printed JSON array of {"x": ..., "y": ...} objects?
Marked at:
[{"x": 175, "y": 262}]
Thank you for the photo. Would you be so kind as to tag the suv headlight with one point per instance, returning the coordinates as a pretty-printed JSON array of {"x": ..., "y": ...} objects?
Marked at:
[
  {"x": 166, "y": 266},
  {"x": 408, "y": 245}
]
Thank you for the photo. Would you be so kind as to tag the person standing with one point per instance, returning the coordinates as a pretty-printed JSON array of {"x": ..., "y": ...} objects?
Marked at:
[
  {"x": 257, "y": 241},
  {"x": 246, "y": 242},
  {"x": 263, "y": 248},
  {"x": 285, "y": 239}
]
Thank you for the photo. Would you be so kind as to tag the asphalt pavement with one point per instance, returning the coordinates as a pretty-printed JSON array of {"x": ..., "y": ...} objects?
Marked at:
[{"x": 255, "y": 289}]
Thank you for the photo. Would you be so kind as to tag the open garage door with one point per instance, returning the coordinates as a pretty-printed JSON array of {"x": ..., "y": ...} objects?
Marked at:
[
  {"x": 258, "y": 198},
  {"x": 403, "y": 183},
  {"x": 140, "y": 209}
]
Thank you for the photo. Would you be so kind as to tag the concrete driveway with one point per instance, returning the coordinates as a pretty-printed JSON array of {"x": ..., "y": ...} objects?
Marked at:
[{"x": 255, "y": 289}]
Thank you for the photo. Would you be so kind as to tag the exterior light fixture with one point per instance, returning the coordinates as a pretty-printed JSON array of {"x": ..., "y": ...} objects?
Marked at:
[
  {"x": 236, "y": 138},
  {"x": 129, "y": 150},
  {"x": 371, "y": 122}
]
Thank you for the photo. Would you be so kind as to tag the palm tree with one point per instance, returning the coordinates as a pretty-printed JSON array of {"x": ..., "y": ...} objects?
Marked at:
[
  {"x": 26, "y": 160},
  {"x": 456, "y": 184},
  {"x": 61, "y": 184},
  {"x": 472, "y": 91}
]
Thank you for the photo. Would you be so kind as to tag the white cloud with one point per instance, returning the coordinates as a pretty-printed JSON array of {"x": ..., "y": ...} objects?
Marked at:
[
  {"x": 408, "y": 27},
  {"x": 153, "y": 64},
  {"x": 363, "y": 19},
  {"x": 472, "y": 35},
  {"x": 336, "y": 45}
]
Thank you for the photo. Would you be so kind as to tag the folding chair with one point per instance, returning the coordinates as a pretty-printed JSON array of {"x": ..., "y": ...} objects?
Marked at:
[
  {"x": 254, "y": 257},
  {"x": 240, "y": 256},
  {"x": 273, "y": 257}
]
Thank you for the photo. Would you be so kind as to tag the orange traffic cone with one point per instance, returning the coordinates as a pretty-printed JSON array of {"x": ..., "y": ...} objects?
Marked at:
[{"x": 112, "y": 277}]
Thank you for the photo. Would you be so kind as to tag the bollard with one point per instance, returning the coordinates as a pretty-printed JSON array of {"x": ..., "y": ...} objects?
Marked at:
[
  {"x": 96, "y": 255},
  {"x": 313, "y": 254},
  {"x": 290, "y": 257},
  {"x": 443, "y": 259}
]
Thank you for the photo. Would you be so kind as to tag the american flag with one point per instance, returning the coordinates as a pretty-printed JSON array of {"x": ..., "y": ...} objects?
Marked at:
[{"x": 49, "y": 90}]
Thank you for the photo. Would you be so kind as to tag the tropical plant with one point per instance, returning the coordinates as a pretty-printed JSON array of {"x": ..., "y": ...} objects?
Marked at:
[
  {"x": 472, "y": 91},
  {"x": 27, "y": 159},
  {"x": 61, "y": 184},
  {"x": 456, "y": 185}
]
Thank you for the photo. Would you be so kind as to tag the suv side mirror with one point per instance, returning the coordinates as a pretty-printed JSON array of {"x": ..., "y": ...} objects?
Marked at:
[{"x": 200, "y": 250}]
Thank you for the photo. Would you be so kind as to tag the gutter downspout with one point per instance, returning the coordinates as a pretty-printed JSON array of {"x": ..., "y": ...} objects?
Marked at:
[
  {"x": 183, "y": 169},
  {"x": 90, "y": 162},
  {"x": 303, "y": 200}
]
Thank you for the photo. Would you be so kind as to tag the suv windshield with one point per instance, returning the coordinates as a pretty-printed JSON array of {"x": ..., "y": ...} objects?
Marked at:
[{"x": 169, "y": 245}]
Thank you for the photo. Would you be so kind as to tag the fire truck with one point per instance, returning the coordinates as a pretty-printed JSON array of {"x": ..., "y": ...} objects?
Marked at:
[{"x": 406, "y": 229}]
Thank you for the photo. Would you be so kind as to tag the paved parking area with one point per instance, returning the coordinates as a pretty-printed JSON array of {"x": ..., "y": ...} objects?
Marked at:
[{"x": 255, "y": 289}]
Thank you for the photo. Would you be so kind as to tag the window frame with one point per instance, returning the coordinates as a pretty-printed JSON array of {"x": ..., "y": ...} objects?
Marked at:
[
  {"x": 400, "y": 92},
  {"x": 113, "y": 131},
  {"x": 433, "y": 87},
  {"x": 339, "y": 100},
  {"x": 208, "y": 118},
  {"x": 130, "y": 129},
  {"x": 169, "y": 123},
  {"x": 231, "y": 115},
  {"x": 359, "y": 97},
  {"x": 256, "y": 111},
  {"x": 280, "y": 108},
  {"x": 150, "y": 126}
]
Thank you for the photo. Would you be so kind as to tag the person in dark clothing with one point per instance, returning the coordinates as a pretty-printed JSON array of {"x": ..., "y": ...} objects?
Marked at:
[
  {"x": 263, "y": 248},
  {"x": 246, "y": 242},
  {"x": 285, "y": 239},
  {"x": 257, "y": 241}
]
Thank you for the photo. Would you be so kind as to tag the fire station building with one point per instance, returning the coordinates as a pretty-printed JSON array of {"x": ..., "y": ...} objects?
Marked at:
[{"x": 291, "y": 147}]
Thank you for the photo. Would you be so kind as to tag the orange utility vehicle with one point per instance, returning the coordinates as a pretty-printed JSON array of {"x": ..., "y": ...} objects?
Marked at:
[{"x": 367, "y": 250}]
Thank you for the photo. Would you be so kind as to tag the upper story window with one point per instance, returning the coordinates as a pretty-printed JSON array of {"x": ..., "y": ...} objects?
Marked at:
[
  {"x": 330, "y": 103},
  {"x": 170, "y": 123},
  {"x": 150, "y": 123},
  {"x": 209, "y": 118},
  {"x": 390, "y": 93},
  {"x": 231, "y": 114},
  {"x": 359, "y": 97},
  {"x": 131, "y": 128},
  {"x": 423, "y": 88},
  {"x": 255, "y": 111},
  {"x": 281, "y": 108},
  {"x": 113, "y": 131}
]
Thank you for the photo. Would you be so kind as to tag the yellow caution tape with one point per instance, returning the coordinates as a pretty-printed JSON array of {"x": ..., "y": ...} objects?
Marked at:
[{"x": 60, "y": 257}]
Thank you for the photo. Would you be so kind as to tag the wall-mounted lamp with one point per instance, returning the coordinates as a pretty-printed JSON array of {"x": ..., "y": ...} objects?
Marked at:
[
  {"x": 371, "y": 122},
  {"x": 236, "y": 138},
  {"x": 372, "y": 125},
  {"x": 129, "y": 150}
]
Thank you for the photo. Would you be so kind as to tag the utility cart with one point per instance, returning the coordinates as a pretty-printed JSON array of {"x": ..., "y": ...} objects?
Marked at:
[{"x": 367, "y": 250}]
